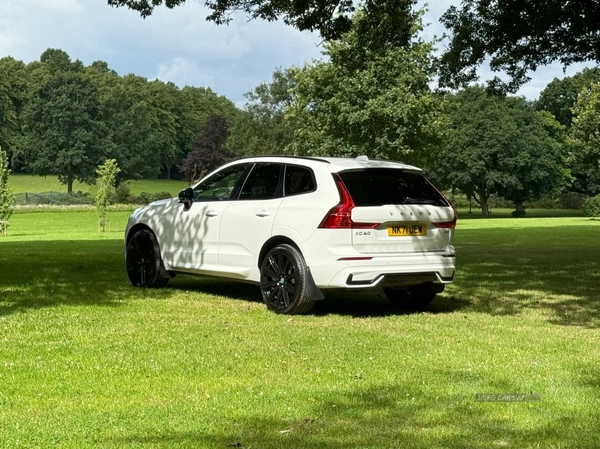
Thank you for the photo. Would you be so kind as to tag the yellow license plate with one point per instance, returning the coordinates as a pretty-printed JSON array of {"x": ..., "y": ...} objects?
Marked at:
[{"x": 407, "y": 229}]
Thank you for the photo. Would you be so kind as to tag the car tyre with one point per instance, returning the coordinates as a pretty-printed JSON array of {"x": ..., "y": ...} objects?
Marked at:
[
  {"x": 144, "y": 264},
  {"x": 415, "y": 297},
  {"x": 283, "y": 281}
]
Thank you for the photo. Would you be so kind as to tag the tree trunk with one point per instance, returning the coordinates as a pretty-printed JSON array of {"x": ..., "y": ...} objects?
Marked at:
[
  {"x": 483, "y": 200},
  {"x": 70, "y": 184},
  {"x": 485, "y": 212},
  {"x": 519, "y": 209}
]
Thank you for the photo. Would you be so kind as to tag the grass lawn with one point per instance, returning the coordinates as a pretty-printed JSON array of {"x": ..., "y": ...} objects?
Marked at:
[
  {"x": 88, "y": 361},
  {"x": 22, "y": 182}
]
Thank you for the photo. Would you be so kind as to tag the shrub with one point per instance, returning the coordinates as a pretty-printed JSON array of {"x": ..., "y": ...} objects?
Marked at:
[
  {"x": 545, "y": 202},
  {"x": 572, "y": 200},
  {"x": 123, "y": 194},
  {"x": 591, "y": 207},
  {"x": 78, "y": 197},
  {"x": 144, "y": 198},
  {"x": 497, "y": 202},
  {"x": 459, "y": 201},
  {"x": 161, "y": 196}
]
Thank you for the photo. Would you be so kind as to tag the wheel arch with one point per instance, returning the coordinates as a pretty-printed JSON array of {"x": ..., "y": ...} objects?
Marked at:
[
  {"x": 272, "y": 243},
  {"x": 135, "y": 228}
]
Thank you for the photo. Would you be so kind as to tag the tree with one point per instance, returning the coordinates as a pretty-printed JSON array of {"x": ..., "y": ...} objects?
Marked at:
[
  {"x": 64, "y": 133},
  {"x": 262, "y": 127},
  {"x": 560, "y": 95},
  {"x": 209, "y": 150},
  {"x": 14, "y": 90},
  {"x": 375, "y": 102},
  {"x": 585, "y": 133},
  {"x": 105, "y": 180},
  {"x": 194, "y": 106},
  {"x": 560, "y": 98},
  {"x": 141, "y": 128},
  {"x": 162, "y": 98},
  {"x": 538, "y": 161},
  {"x": 500, "y": 145},
  {"x": 517, "y": 36},
  {"x": 55, "y": 60},
  {"x": 6, "y": 197},
  {"x": 387, "y": 19}
]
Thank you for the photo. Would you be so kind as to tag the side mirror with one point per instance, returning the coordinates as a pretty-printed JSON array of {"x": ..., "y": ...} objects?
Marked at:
[{"x": 186, "y": 196}]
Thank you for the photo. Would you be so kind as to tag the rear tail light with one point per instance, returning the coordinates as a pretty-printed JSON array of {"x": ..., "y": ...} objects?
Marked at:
[
  {"x": 340, "y": 217},
  {"x": 447, "y": 224}
]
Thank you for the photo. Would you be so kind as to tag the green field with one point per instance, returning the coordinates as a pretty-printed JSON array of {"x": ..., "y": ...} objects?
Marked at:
[
  {"x": 21, "y": 183},
  {"x": 88, "y": 361}
]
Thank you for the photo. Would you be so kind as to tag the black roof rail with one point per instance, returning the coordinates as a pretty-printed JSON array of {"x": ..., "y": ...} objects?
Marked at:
[{"x": 288, "y": 156}]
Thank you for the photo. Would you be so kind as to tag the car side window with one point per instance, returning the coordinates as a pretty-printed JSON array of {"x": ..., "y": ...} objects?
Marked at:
[
  {"x": 298, "y": 180},
  {"x": 263, "y": 183},
  {"x": 220, "y": 186}
]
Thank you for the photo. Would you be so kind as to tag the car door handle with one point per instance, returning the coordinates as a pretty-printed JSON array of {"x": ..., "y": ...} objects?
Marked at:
[
  {"x": 211, "y": 213},
  {"x": 263, "y": 213}
]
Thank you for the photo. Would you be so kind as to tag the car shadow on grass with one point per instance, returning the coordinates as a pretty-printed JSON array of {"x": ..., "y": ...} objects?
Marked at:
[{"x": 363, "y": 303}]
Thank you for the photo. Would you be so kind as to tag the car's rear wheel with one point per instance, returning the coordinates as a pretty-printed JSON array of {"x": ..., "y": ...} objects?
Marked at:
[
  {"x": 143, "y": 260},
  {"x": 283, "y": 281},
  {"x": 415, "y": 297}
]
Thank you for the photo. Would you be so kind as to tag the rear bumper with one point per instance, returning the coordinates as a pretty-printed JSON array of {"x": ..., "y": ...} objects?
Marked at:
[
  {"x": 390, "y": 271},
  {"x": 400, "y": 279}
]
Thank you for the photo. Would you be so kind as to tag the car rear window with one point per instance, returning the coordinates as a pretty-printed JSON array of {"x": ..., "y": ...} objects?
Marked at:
[{"x": 380, "y": 186}]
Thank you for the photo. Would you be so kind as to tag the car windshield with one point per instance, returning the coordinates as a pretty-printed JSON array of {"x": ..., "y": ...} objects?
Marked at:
[{"x": 381, "y": 186}]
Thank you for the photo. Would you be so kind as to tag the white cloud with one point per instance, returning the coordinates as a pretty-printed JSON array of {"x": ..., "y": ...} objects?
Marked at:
[
  {"x": 55, "y": 5},
  {"x": 8, "y": 40},
  {"x": 184, "y": 72}
]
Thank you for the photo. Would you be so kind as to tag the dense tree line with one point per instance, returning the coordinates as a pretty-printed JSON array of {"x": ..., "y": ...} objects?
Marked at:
[{"x": 62, "y": 118}]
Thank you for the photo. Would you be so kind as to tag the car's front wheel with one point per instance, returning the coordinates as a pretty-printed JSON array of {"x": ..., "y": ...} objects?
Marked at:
[
  {"x": 415, "y": 297},
  {"x": 143, "y": 260},
  {"x": 283, "y": 281}
]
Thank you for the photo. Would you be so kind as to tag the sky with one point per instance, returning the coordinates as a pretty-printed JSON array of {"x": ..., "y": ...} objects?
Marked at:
[{"x": 179, "y": 45}]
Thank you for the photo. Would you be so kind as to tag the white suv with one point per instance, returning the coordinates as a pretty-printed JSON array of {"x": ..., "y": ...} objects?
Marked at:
[{"x": 299, "y": 226}]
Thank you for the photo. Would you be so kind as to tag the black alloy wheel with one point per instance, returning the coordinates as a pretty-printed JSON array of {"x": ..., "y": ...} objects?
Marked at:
[
  {"x": 283, "y": 281},
  {"x": 143, "y": 261}
]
